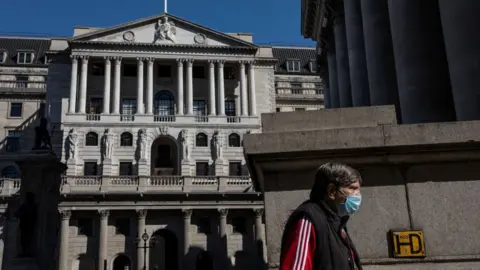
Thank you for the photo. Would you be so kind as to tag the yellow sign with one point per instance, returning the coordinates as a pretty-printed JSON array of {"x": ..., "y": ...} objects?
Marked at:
[{"x": 408, "y": 244}]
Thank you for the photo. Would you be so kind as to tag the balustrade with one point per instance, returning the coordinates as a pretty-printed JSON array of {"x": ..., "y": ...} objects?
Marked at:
[{"x": 140, "y": 184}]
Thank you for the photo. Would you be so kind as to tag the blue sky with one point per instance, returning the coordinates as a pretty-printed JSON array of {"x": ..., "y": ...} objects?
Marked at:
[{"x": 271, "y": 21}]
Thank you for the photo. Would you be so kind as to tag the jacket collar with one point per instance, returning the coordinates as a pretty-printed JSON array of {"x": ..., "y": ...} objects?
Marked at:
[{"x": 337, "y": 221}]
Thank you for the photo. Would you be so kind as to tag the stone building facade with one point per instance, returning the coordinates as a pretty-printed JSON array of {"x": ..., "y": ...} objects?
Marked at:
[
  {"x": 150, "y": 116},
  {"x": 371, "y": 54}
]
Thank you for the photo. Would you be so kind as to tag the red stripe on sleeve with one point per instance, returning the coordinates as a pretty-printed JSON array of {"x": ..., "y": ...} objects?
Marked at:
[{"x": 299, "y": 247}]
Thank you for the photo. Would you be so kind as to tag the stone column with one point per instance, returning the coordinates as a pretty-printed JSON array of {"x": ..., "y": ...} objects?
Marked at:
[
  {"x": 343, "y": 66},
  {"x": 180, "y": 77},
  {"x": 251, "y": 87},
  {"x": 243, "y": 88},
  {"x": 116, "y": 91},
  {"x": 211, "y": 82},
  {"x": 333, "y": 77},
  {"x": 150, "y": 86},
  {"x": 64, "y": 237},
  {"x": 421, "y": 62},
  {"x": 73, "y": 84},
  {"x": 106, "y": 86},
  {"x": 323, "y": 72},
  {"x": 460, "y": 21},
  {"x": 221, "y": 88},
  {"x": 222, "y": 231},
  {"x": 379, "y": 54},
  {"x": 140, "y": 77},
  {"x": 103, "y": 239},
  {"x": 141, "y": 217},
  {"x": 189, "y": 87},
  {"x": 259, "y": 235},
  {"x": 356, "y": 53},
  {"x": 187, "y": 216},
  {"x": 83, "y": 85}
]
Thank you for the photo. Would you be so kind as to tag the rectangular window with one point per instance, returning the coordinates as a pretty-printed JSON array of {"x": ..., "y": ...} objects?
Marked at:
[
  {"x": 198, "y": 72},
  {"x": 129, "y": 70},
  {"x": 98, "y": 69},
  {"x": 16, "y": 109},
  {"x": 313, "y": 66},
  {"x": 129, "y": 106},
  {"x": 85, "y": 226},
  {"x": 199, "y": 108},
  {"x": 13, "y": 140},
  {"x": 3, "y": 56},
  {"x": 229, "y": 73},
  {"x": 299, "y": 109},
  {"x": 24, "y": 58},
  {"x": 201, "y": 168},
  {"x": 95, "y": 106},
  {"x": 235, "y": 168},
  {"x": 230, "y": 109},
  {"x": 122, "y": 226},
  {"x": 90, "y": 169},
  {"x": 126, "y": 168},
  {"x": 164, "y": 71},
  {"x": 293, "y": 66}
]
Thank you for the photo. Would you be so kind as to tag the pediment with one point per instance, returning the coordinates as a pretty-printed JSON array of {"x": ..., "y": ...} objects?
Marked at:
[{"x": 163, "y": 29}]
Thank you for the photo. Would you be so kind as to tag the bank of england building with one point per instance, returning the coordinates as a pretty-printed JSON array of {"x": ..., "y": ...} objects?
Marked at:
[{"x": 149, "y": 117}]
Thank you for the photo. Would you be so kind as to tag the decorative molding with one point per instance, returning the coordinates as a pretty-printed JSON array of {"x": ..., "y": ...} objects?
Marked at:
[
  {"x": 258, "y": 212},
  {"x": 142, "y": 213},
  {"x": 65, "y": 214},
  {"x": 162, "y": 130},
  {"x": 129, "y": 36},
  {"x": 200, "y": 39},
  {"x": 104, "y": 214},
  {"x": 187, "y": 213},
  {"x": 223, "y": 212}
]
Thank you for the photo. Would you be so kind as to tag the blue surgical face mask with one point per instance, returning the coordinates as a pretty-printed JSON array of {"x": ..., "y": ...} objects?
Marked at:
[{"x": 350, "y": 206}]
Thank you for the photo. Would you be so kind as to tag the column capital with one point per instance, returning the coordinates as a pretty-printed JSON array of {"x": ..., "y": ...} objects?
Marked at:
[
  {"x": 223, "y": 212},
  {"x": 104, "y": 213},
  {"x": 189, "y": 62},
  {"x": 251, "y": 63},
  {"x": 140, "y": 60},
  {"x": 187, "y": 213},
  {"x": 142, "y": 213},
  {"x": 220, "y": 63},
  {"x": 108, "y": 58},
  {"x": 258, "y": 212},
  {"x": 211, "y": 63},
  {"x": 117, "y": 59},
  {"x": 242, "y": 63},
  {"x": 150, "y": 60},
  {"x": 84, "y": 57},
  {"x": 65, "y": 214},
  {"x": 74, "y": 57}
]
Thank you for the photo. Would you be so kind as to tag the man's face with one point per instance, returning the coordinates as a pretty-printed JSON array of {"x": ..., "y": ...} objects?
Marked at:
[{"x": 339, "y": 195}]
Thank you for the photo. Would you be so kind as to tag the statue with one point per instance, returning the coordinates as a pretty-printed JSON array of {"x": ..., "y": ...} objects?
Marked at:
[
  {"x": 107, "y": 144},
  {"x": 217, "y": 144},
  {"x": 72, "y": 141},
  {"x": 42, "y": 137},
  {"x": 27, "y": 215},
  {"x": 165, "y": 30},
  {"x": 184, "y": 141},
  {"x": 142, "y": 143}
]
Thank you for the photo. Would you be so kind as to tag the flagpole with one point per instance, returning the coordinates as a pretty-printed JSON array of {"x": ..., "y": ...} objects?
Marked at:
[{"x": 165, "y": 6}]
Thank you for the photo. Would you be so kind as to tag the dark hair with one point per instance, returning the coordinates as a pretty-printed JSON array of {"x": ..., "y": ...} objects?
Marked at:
[{"x": 340, "y": 175}]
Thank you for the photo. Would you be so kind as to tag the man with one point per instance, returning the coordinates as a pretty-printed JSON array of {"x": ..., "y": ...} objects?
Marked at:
[{"x": 315, "y": 235}]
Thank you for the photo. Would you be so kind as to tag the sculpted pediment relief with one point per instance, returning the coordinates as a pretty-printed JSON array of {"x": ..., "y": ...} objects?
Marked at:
[{"x": 164, "y": 29}]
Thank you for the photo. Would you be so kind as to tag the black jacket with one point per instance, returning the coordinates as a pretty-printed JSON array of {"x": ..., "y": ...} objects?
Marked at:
[{"x": 332, "y": 252}]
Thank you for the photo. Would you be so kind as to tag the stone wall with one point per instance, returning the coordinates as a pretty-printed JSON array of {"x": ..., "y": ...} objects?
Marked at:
[{"x": 422, "y": 177}]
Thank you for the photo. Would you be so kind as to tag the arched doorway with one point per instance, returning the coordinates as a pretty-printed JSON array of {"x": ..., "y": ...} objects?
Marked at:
[
  {"x": 164, "y": 156},
  {"x": 204, "y": 261},
  {"x": 121, "y": 262},
  {"x": 164, "y": 255},
  {"x": 83, "y": 262}
]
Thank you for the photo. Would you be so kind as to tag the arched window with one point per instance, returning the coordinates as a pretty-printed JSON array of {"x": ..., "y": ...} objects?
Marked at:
[
  {"x": 201, "y": 140},
  {"x": 91, "y": 139},
  {"x": 126, "y": 139},
  {"x": 10, "y": 172},
  {"x": 234, "y": 140},
  {"x": 164, "y": 103}
]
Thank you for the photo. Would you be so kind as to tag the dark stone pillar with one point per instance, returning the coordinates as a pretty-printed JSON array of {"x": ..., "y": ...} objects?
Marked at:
[
  {"x": 343, "y": 69},
  {"x": 460, "y": 21},
  {"x": 326, "y": 86},
  {"x": 379, "y": 54},
  {"x": 333, "y": 79},
  {"x": 420, "y": 60},
  {"x": 356, "y": 53}
]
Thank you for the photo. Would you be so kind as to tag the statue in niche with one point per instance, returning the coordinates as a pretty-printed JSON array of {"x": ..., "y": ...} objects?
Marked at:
[
  {"x": 142, "y": 143},
  {"x": 165, "y": 30},
  {"x": 27, "y": 216},
  {"x": 107, "y": 143},
  {"x": 184, "y": 142},
  {"x": 42, "y": 137},
  {"x": 72, "y": 141},
  {"x": 217, "y": 144}
]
